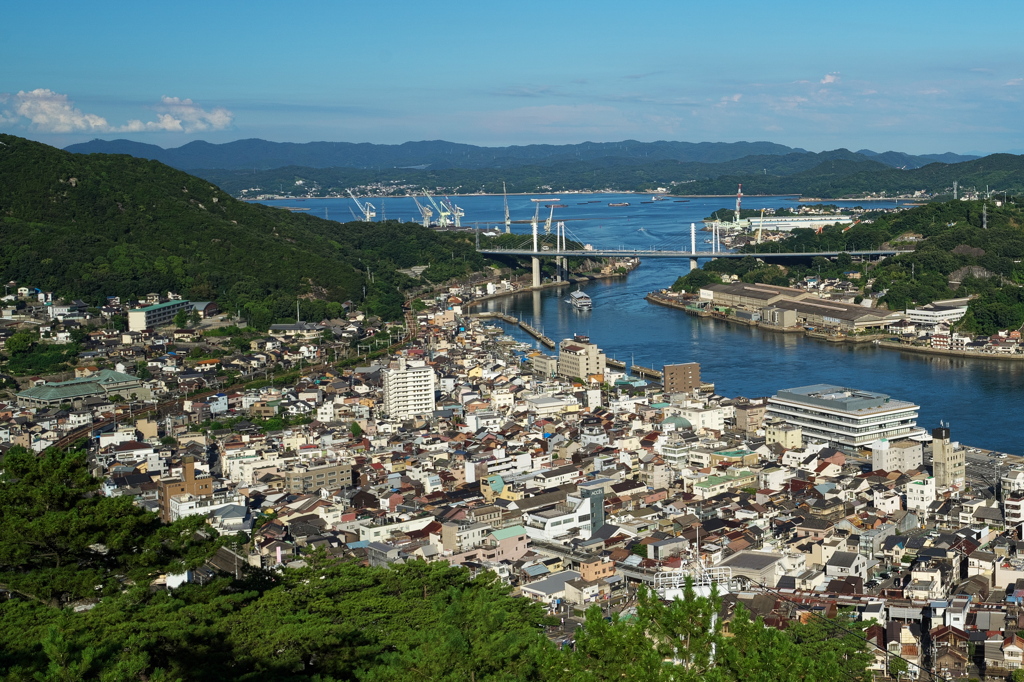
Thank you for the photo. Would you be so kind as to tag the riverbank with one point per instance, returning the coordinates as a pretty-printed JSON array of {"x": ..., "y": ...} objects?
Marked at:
[
  {"x": 670, "y": 302},
  {"x": 973, "y": 354}
]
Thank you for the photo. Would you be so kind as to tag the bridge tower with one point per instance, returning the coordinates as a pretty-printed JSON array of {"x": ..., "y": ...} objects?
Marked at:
[
  {"x": 536, "y": 260},
  {"x": 693, "y": 245}
]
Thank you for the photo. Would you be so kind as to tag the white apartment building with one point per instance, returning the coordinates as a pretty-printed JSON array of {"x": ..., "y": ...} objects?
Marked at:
[
  {"x": 939, "y": 311},
  {"x": 844, "y": 417},
  {"x": 920, "y": 494},
  {"x": 408, "y": 389},
  {"x": 900, "y": 455},
  {"x": 152, "y": 316}
]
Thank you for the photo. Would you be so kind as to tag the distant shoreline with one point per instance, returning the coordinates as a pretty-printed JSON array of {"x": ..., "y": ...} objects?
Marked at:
[{"x": 916, "y": 201}]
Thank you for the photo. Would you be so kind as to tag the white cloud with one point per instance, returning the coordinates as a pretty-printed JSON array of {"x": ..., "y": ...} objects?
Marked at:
[
  {"x": 53, "y": 112},
  {"x": 830, "y": 78},
  {"x": 1013, "y": 82},
  {"x": 186, "y": 114}
]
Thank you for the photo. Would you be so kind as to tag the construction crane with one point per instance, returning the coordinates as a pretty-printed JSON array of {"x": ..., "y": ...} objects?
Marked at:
[
  {"x": 547, "y": 223},
  {"x": 425, "y": 211},
  {"x": 443, "y": 214},
  {"x": 457, "y": 213},
  {"x": 365, "y": 207}
]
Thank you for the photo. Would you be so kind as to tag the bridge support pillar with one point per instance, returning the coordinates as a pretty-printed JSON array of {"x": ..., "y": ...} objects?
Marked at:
[
  {"x": 693, "y": 264},
  {"x": 536, "y": 271}
]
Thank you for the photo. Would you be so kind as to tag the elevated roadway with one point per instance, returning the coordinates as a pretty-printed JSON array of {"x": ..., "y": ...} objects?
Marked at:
[{"x": 659, "y": 253}]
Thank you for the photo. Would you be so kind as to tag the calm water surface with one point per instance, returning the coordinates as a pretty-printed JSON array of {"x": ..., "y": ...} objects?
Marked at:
[{"x": 983, "y": 400}]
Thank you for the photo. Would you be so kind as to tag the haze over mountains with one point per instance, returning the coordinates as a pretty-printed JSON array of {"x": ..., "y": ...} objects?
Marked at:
[{"x": 256, "y": 154}]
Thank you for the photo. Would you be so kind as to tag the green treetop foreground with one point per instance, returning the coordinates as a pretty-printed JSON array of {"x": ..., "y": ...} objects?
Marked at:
[{"x": 64, "y": 545}]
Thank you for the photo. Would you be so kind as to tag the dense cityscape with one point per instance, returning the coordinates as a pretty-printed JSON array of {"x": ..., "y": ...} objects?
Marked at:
[{"x": 478, "y": 342}]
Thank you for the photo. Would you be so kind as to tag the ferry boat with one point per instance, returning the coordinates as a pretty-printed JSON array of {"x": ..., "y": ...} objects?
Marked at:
[
  {"x": 620, "y": 203},
  {"x": 580, "y": 301},
  {"x": 545, "y": 201}
]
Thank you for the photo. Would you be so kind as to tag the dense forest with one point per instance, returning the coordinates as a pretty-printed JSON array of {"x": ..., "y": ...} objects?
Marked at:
[
  {"x": 960, "y": 248},
  {"x": 76, "y": 603},
  {"x": 107, "y": 225}
]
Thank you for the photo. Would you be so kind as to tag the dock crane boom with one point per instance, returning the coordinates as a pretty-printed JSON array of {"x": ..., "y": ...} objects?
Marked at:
[
  {"x": 365, "y": 207},
  {"x": 425, "y": 211},
  {"x": 442, "y": 213},
  {"x": 457, "y": 212}
]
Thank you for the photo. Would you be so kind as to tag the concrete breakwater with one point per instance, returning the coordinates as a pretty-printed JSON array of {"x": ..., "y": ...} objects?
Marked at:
[
  {"x": 629, "y": 266},
  {"x": 529, "y": 329}
]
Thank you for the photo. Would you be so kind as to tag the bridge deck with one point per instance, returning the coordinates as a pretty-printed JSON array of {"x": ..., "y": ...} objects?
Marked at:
[{"x": 658, "y": 253}]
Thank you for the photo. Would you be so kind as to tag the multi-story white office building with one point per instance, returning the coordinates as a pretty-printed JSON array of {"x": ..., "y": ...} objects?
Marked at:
[
  {"x": 408, "y": 389},
  {"x": 845, "y": 418}
]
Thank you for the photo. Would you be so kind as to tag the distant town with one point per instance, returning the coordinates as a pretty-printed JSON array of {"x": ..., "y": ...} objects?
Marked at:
[{"x": 443, "y": 438}]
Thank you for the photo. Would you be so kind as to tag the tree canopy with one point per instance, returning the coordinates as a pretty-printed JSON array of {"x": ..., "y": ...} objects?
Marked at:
[
  {"x": 64, "y": 545},
  {"x": 92, "y": 226}
]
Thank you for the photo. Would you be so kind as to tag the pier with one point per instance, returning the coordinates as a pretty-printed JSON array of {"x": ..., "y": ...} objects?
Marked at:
[
  {"x": 634, "y": 369},
  {"x": 520, "y": 323},
  {"x": 646, "y": 372}
]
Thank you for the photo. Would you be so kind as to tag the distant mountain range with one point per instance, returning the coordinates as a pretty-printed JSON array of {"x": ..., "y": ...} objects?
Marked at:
[{"x": 260, "y": 155}]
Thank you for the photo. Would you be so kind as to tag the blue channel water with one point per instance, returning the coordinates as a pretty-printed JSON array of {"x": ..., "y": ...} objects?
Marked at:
[{"x": 982, "y": 400}]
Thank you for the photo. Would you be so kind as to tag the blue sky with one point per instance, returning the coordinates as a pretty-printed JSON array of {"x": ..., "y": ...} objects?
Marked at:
[{"x": 910, "y": 76}]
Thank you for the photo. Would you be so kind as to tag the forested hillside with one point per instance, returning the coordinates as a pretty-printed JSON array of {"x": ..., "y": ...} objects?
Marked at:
[
  {"x": 960, "y": 248},
  {"x": 111, "y": 225},
  {"x": 76, "y": 603}
]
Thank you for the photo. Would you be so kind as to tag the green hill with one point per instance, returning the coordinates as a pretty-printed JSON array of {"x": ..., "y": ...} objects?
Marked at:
[
  {"x": 961, "y": 248},
  {"x": 92, "y": 226}
]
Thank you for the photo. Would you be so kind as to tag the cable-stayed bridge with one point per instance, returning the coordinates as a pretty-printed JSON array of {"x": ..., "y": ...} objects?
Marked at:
[
  {"x": 557, "y": 246},
  {"x": 667, "y": 253}
]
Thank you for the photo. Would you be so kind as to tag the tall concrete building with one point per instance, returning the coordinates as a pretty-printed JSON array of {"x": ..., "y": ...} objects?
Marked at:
[
  {"x": 578, "y": 358},
  {"x": 949, "y": 460},
  {"x": 682, "y": 378},
  {"x": 408, "y": 389}
]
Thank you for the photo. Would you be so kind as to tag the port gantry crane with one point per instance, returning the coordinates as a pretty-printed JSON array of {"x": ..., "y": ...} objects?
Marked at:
[
  {"x": 456, "y": 211},
  {"x": 443, "y": 214},
  {"x": 365, "y": 207},
  {"x": 425, "y": 211}
]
